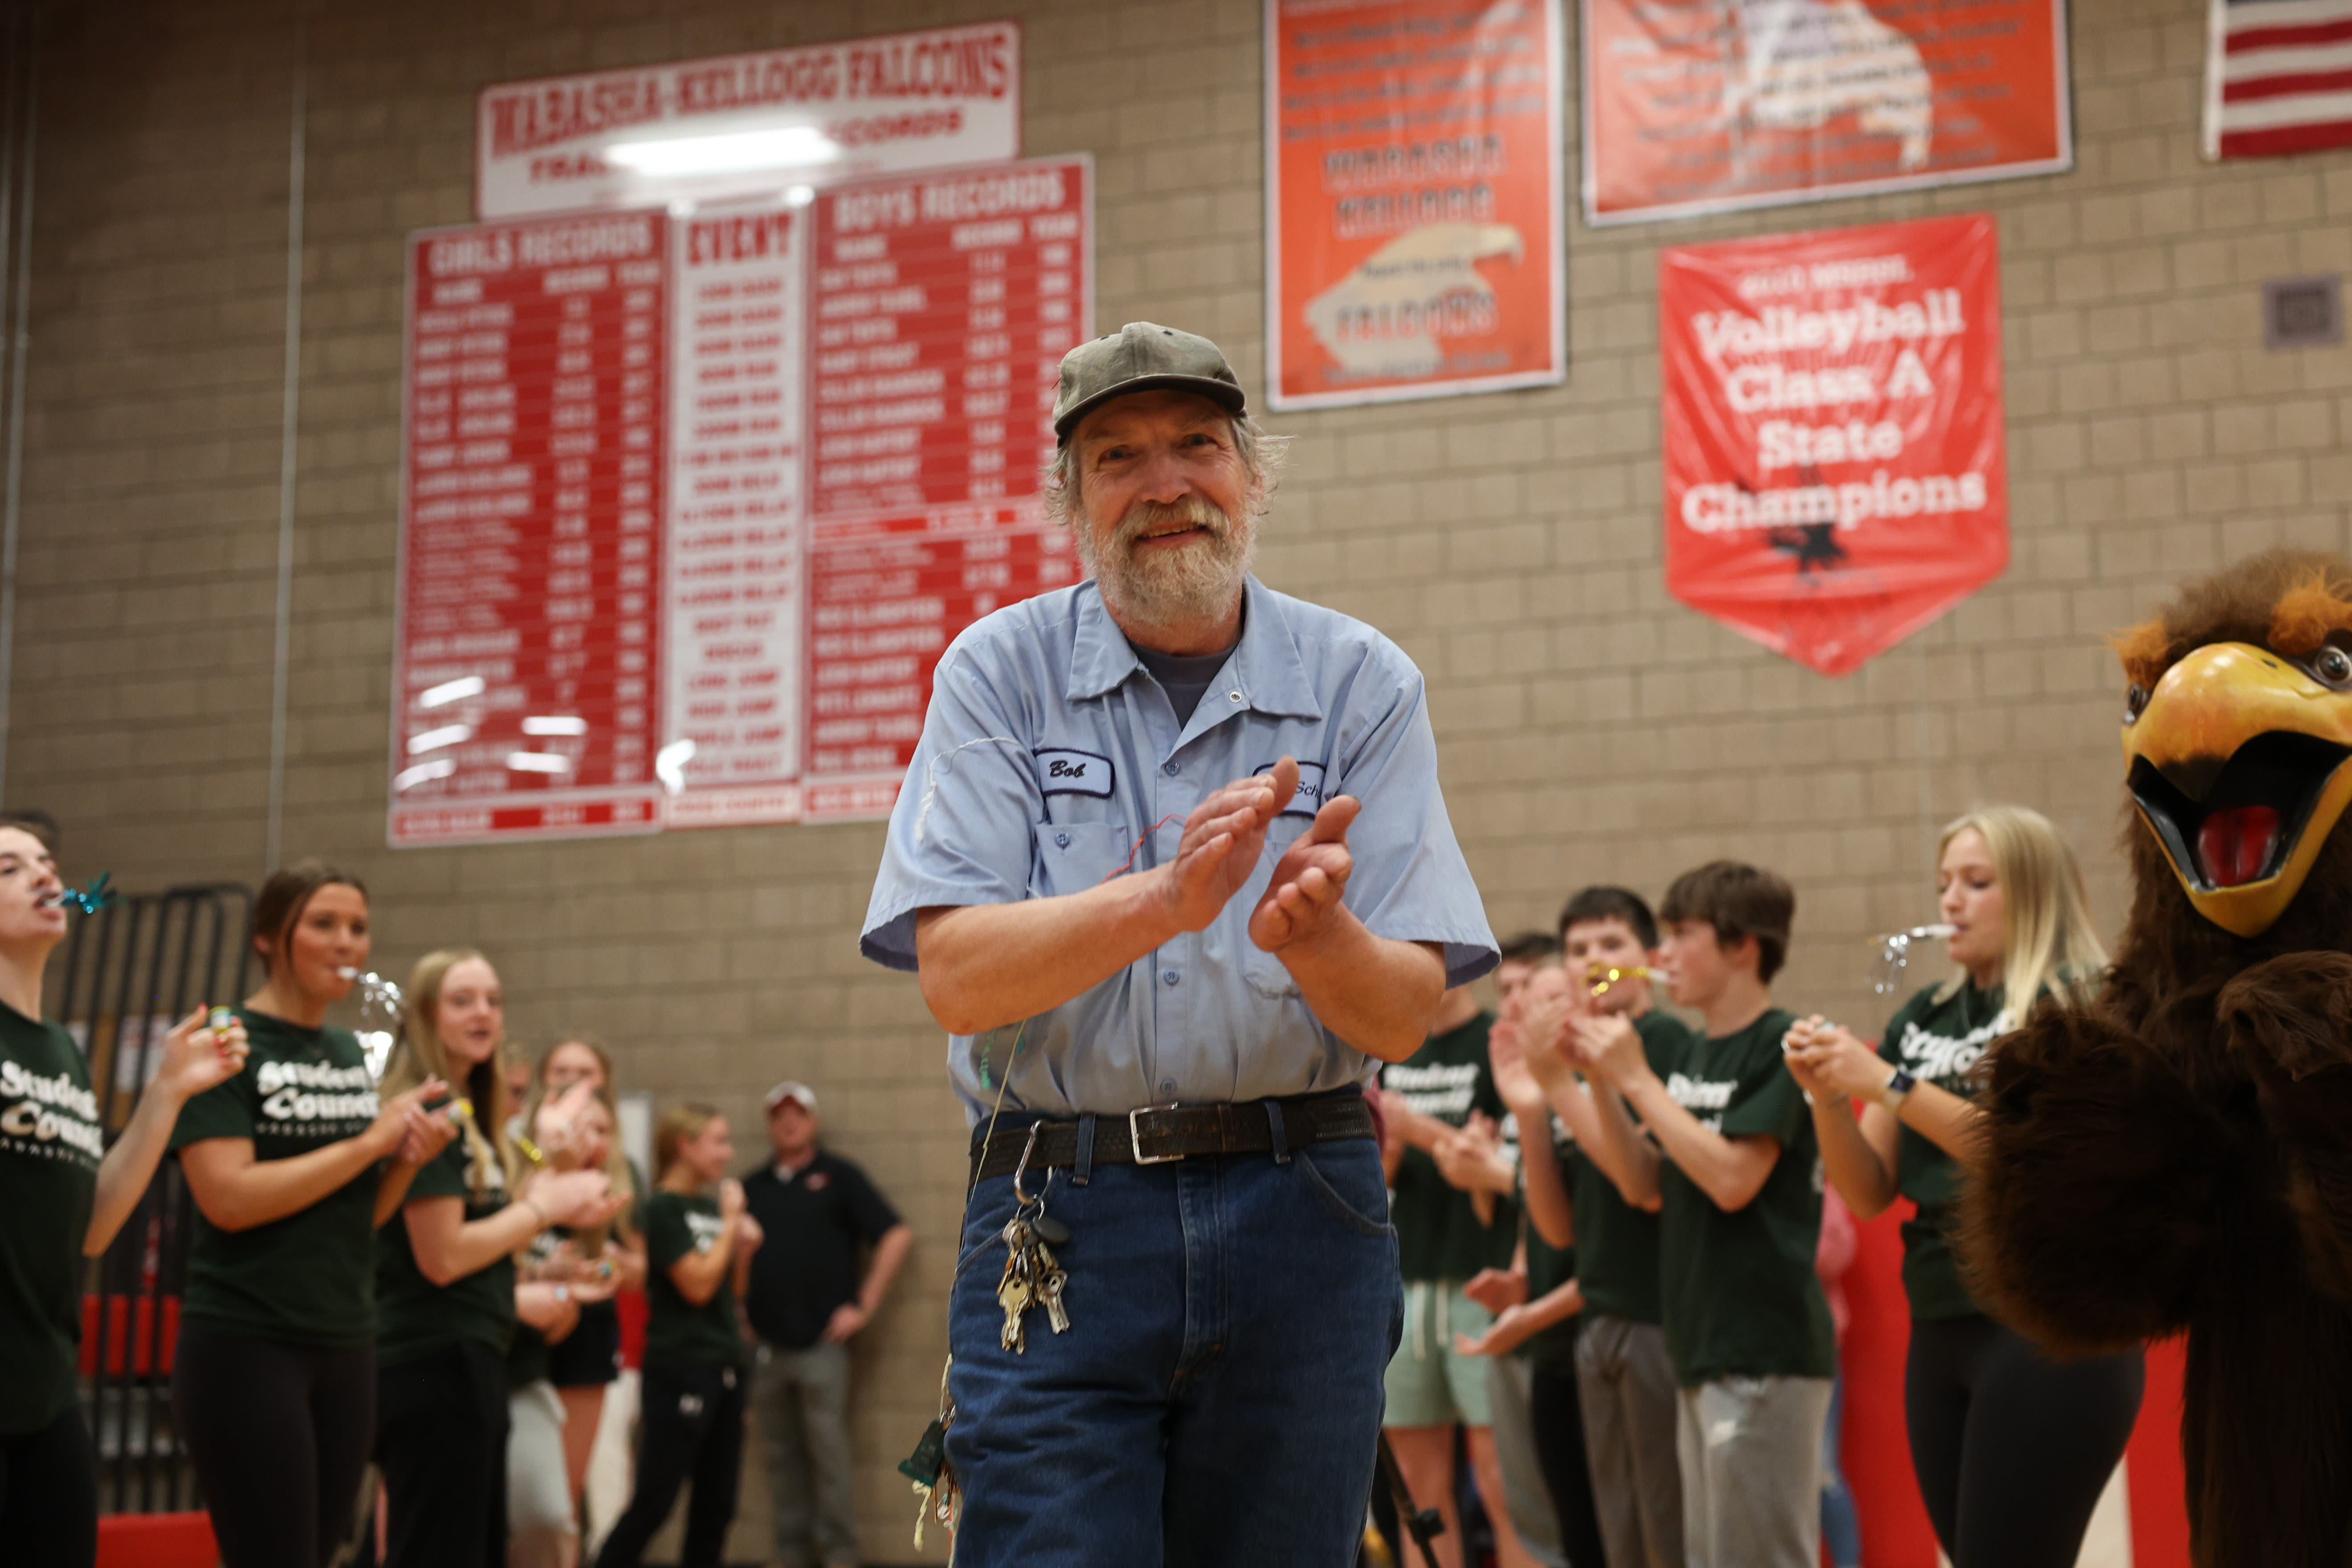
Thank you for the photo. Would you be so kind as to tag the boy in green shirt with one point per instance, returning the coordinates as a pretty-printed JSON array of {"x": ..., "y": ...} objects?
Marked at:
[
  {"x": 1736, "y": 1173},
  {"x": 1446, "y": 1236},
  {"x": 1626, "y": 1385}
]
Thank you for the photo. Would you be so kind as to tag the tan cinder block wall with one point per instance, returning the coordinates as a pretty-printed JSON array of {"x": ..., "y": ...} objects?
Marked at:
[{"x": 1591, "y": 728}]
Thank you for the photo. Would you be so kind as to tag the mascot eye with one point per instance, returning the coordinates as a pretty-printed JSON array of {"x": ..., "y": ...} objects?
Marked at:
[
  {"x": 2135, "y": 704},
  {"x": 2333, "y": 666}
]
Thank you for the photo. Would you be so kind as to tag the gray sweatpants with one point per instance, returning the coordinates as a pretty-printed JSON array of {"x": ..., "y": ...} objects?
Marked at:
[
  {"x": 1751, "y": 1462},
  {"x": 1509, "y": 1380},
  {"x": 800, "y": 1400},
  {"x": 540, "y": 1533},
  {"x": 1626, "y": 1385}
]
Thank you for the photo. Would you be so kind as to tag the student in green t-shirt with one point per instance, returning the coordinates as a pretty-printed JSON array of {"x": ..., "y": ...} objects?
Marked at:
[
  {"x": 1446, "y": 1236},
  {"x": 61, "y": 1203},
  {"x": 698, "y": 1247},
  {"x": 446, "y": 1277},
  {"x": 291, "y": 1162},
  {"x": 562, "y": 1279},
  {"x": 2036, "y": 1439},
  {"x": 1735, "y": 1172},
  {"x": 1531, "y": 1345},
  {"x": 1625, "y": 1392}
]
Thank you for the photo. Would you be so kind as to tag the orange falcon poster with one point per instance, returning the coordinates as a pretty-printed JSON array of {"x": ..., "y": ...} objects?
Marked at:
[
  {"x": 1698, "y": 106},
  {"x": 1413, "y": 186}
]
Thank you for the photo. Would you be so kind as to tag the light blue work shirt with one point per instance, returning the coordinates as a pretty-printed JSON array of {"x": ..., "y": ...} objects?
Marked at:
[{"x": 1050, "y": 756}]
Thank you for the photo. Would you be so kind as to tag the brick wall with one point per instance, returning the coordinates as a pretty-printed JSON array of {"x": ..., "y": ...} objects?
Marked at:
[{"x": 1591, "y": 728}]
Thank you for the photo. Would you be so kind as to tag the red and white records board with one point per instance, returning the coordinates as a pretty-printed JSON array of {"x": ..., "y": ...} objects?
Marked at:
[
  {"x": 1414, "y": 199},
  {"x": 1835, "y": 465},
  {"x": 693, "y": 504},
  {"x": 857, "y": 108}
]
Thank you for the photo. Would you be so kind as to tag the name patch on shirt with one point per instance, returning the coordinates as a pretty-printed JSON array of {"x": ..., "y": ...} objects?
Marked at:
[
  {"x": 1309, "y": 798},
  {"x": 1063, "y": 770}
]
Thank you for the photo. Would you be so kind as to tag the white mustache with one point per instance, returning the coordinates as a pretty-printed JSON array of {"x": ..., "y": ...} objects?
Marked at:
[{"x": 1143, "y": 517}]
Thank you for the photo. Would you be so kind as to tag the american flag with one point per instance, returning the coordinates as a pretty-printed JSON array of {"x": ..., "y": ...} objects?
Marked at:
[{"x": 2278, "y": 78}]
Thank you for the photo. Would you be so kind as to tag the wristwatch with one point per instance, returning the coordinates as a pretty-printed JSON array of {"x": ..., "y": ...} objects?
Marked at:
[{"x": 1898, "y": 1087}]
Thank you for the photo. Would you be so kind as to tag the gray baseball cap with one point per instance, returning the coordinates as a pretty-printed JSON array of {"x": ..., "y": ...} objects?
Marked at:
[{"x": 1141, "y": 356}]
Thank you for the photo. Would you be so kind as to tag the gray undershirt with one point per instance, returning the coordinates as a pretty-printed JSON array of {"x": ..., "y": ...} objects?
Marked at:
[{"x": 1185, "y": 678}]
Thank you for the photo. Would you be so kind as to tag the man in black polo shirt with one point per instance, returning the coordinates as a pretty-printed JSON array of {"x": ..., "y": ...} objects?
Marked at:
[{"x": 806, "y": 1301}]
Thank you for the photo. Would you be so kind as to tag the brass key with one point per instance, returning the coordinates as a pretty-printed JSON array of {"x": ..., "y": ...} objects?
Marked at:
[{"x": 1015, "y": 1294}]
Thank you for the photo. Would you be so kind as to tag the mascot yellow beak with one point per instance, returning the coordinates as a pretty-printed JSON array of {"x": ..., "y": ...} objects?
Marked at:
[{"x": 2237, "y": 765}]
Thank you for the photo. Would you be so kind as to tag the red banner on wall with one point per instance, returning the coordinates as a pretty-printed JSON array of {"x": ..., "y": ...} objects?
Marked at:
[
  {"x": 1414, "y": 199},
  {"x": 1696, "y": 105},
  {"x": 1835, "y": 470}
]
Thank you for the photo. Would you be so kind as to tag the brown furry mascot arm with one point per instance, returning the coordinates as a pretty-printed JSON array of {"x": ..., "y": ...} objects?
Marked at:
[
  {"x": 2089, "y": 1215},
  {"x": 2290, "y": 1021}
]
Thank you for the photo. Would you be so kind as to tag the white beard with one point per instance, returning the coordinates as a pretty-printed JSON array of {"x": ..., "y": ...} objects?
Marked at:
[{"x": 1167, "y": 588}]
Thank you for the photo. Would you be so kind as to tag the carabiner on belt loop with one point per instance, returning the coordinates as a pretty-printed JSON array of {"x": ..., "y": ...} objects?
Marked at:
[{"x": 1020, "y": 1197}]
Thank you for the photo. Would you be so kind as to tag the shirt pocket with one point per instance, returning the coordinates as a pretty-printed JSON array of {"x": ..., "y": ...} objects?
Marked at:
[{"x": 1071, "y": 857}]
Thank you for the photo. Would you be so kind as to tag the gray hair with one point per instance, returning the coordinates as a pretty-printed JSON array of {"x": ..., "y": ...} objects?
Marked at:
[{"x": 1262, "y": 455}]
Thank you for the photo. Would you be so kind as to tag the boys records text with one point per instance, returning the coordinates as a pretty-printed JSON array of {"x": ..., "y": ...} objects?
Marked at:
[{"x": 49, "y": 1111}]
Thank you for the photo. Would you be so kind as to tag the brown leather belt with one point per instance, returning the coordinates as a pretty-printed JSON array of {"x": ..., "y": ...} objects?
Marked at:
[{"x": 1158, "y": 1134}]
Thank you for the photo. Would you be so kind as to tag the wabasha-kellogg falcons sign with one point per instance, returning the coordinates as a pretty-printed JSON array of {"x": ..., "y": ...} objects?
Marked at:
[{"x": 1835, "y": 473}]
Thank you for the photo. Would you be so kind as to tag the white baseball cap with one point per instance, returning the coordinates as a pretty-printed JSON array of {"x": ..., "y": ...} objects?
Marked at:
[{"x": 792, "y": 1088}]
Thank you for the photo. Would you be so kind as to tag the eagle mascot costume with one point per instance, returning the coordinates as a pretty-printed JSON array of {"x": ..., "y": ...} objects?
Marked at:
[{"x": 2178, "y": 1156}]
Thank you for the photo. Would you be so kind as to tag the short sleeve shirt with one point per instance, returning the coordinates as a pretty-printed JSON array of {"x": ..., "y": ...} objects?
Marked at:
[
  {"x": 1938, "y": 1043},
  {"x": 1051, "y": 761},
  {"x": 680, "y": 1333},
  {"x": 416, "y": 1315},
  {"x": 1738, "y": 1290},
  {"x": 813, "y": 1220},
  {"x": 51, "y": 1143},
  {"x": 1439, "y": 1234},
  {"x": 1617, "y": 1243},
  {"x": 309, "y": 1277}
]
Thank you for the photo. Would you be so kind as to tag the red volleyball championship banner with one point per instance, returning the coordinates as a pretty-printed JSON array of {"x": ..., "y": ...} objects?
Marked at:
[
  {"x": 1696, "y": 105},
  {"x": 1835, "y": 470},
  {"x": 1414, "y": 222}
]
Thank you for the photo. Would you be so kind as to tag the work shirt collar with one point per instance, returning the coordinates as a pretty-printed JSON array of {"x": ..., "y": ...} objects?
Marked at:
[{"x": 1265, "y": 667}]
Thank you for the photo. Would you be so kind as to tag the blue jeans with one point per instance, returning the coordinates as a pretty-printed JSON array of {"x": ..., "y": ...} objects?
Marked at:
[
  {"x": 1841, "y": 1520},
  {"x": 1217, "y": 1398}
]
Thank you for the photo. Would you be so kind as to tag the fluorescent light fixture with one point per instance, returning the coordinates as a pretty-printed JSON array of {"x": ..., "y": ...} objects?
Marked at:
[
  {"x": 554, "y": 724},
  {"x": 423, "y": 773},
  {"x": 450, "y": 691},
  {"x": 434, "y": 739},
  {"x": 669, "y": 764},
  {"x": 727, "y": 153},
  {"x": 538, "y": 763},
  {"x": 800, "y": 196}
]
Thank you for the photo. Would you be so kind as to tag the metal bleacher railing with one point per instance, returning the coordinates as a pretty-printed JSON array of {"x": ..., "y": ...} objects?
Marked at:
[{"x": 130, "y": 971}]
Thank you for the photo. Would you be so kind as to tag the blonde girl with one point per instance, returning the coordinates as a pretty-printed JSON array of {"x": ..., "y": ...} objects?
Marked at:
[
  {"x": 445, "y": 1277},
  {"x": 2011, "y": 1449}
]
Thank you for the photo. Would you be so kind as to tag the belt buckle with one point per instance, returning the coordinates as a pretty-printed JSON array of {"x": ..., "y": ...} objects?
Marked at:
[{"x": 1135, "y": 1135}]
